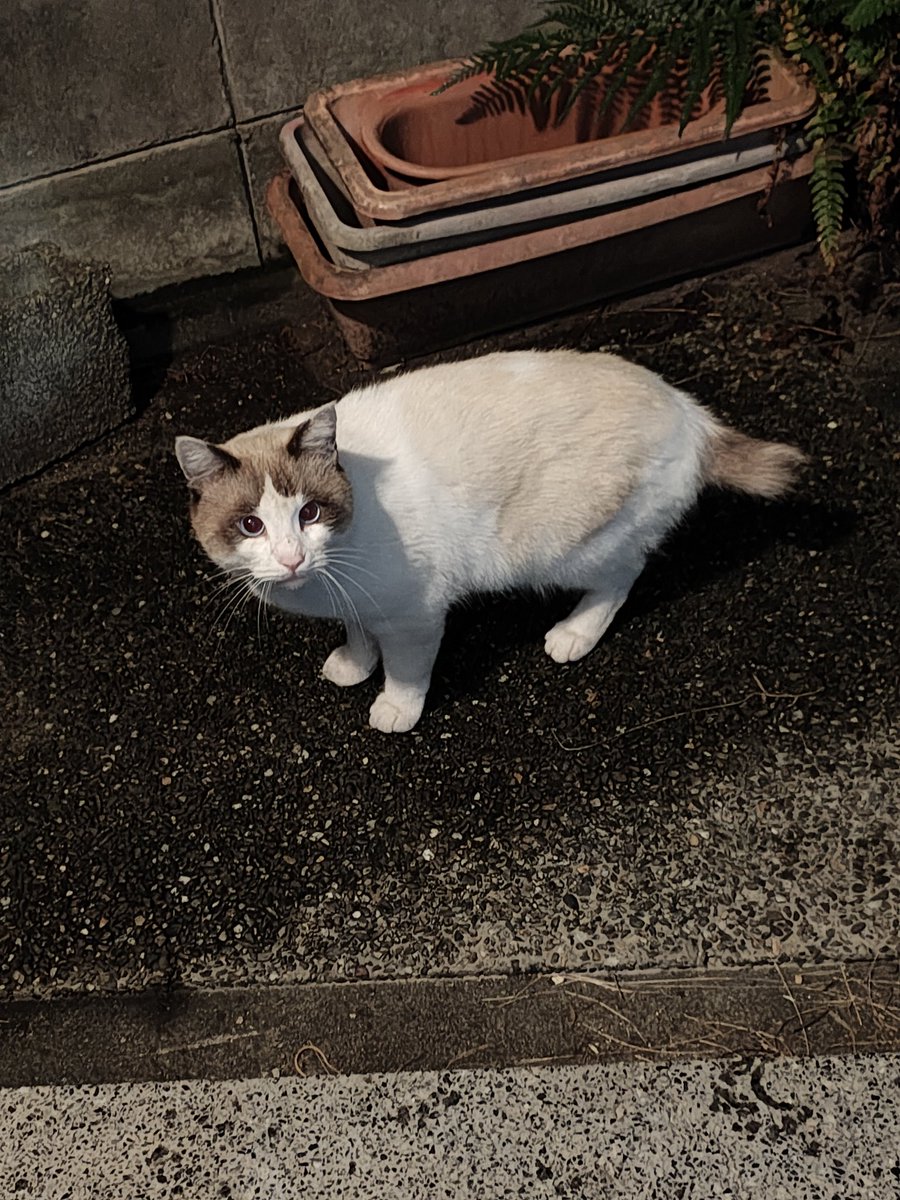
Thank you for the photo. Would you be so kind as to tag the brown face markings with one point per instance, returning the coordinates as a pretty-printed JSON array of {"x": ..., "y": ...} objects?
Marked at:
[
  {"x": 317, "y": 478},
  {"x": 221, "y": 501},
  {"x": 286, "y": 477},
  {"x": 295, "y": 471}
]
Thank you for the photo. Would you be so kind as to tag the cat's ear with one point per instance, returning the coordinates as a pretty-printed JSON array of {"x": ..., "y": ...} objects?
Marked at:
[
  {"x": 200, "y": 461},
  {"x": 315, "y": 436}
]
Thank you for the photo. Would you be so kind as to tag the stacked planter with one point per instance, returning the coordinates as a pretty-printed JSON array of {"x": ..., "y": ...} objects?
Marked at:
[{"x": 429, "y": 219}]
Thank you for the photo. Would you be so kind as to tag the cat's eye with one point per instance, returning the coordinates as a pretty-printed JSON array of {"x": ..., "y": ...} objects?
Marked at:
[
  {"x": 309, "y": 513},
  {"x": 251, "y": 525}
]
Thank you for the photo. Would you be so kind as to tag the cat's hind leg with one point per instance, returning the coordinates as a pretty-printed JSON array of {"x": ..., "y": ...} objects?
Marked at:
[
  {"x": 576, "y": 635},
  {"x": 354, "y": 661}
]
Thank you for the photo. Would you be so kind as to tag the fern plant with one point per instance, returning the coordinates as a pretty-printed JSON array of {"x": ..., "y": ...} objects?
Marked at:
[
  {"x": 851, "y": 53},
  {"x": 849, "y": 49}
]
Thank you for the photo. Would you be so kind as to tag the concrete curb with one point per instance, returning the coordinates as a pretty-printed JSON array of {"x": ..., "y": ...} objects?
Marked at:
[{"x": 439, "y": 1024}]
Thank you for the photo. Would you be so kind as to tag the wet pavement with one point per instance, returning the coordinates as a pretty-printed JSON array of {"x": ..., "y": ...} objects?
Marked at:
[{"x": 186, "y": 801}]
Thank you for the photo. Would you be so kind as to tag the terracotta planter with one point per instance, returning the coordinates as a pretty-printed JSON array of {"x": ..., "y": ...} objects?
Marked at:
[
  {"x": 416, "y": 136},
  {"x": 350, "y": 245},
  {"x": 388, "y": 313},
  {"x": 507, "y": 153}
]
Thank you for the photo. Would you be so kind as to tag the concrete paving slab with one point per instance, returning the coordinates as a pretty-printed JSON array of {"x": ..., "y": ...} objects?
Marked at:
[
  {"x": 782, "y": 1130},
  {"x": 87, "y": 81},
  {"x": 277, "y": 53},
  {"x": 187, "y": 802},
  {"x": 157, "y": 217}
]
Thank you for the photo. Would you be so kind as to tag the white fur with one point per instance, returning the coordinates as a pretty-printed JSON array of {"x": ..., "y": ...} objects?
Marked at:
[
  {"x": 514, "y": 470},
  {"x": 285, "y": 540}
]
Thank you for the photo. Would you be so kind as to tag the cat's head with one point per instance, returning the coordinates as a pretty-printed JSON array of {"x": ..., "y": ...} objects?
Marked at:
[{"x": 267, "y": 503}]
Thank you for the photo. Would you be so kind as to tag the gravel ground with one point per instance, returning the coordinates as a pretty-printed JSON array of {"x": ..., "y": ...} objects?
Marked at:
[{"x": 186, "y": 801}]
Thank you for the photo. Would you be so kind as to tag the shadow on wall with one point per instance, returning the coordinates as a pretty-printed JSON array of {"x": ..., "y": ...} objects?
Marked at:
[
  {"x": 184, "y": 317},
  {"x": 148, "y": 334}
]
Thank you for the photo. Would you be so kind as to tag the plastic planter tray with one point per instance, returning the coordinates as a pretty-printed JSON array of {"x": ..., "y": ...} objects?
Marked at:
[
  {"x": 355, "y": 247},
  {"x": 390, "y": 313},
  {"x": 346, "y": 117}
]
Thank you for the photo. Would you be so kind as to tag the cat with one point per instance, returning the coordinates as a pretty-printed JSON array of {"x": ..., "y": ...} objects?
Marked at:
[{"x": 519, "y": 469}]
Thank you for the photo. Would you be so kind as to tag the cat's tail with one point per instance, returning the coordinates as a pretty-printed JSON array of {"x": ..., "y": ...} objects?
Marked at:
[{"x": 746, "y": 464}]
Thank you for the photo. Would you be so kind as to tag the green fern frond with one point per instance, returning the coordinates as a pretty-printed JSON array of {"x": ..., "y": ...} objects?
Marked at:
[
  {"x": 829, "y": 195},
  {"x": 566, "y": 74},
  {"x": 507, "y": 59},
  {"x": 699, "y": 70},
  {"x": 869, "y": 12},
  {"x": 879, "y": 167},
  {"x": 590, "y": 71},
  {"x": 738, "y": 55},
  {"x": 799, "y": 45},
  {"x": 634, "y": 53},
  {"x": 542, "y": 52}
]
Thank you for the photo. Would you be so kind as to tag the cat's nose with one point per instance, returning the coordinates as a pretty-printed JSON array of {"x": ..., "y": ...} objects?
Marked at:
[{"x": 291, "y": 560}]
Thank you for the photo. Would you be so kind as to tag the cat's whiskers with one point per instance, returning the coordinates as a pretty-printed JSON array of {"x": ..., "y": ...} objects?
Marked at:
[
  {"x": 223, "y": 596},
  {"x": 262, "y": 606},
  {"x": 332, "y": 556},
  {"x": 238, "y": 596},
  {"x": 218, "y": 574},
  {"x": 335, "y": 608},
  {"x": 226, "y": 585},
  {"x": 244, "y": 589},
  {"x": 355, "y": 583},
  {"x": 359, "y": 551},
  {"x": 342, "y": 591},
  {"x": 226, "y": 611}
]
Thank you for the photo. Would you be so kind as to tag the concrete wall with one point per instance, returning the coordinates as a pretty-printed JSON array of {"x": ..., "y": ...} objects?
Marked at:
[{"x": 142, "y": 134}]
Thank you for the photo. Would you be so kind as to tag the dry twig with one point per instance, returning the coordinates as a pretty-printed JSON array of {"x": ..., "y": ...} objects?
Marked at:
[
  {"x": 789, "y": 995},
  {"x": 310, "y": 1048},
  {"x": 614, "y": 1012},
  {"x": 762, "y": 693},
  {"x": 467, "y": 1054}
]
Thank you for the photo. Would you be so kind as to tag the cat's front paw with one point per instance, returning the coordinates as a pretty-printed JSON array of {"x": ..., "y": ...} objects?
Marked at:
[
  {"x": 346, "y": 668},
  {"x": 393, "y": 717},
  {"x": 564, "y": 644}
]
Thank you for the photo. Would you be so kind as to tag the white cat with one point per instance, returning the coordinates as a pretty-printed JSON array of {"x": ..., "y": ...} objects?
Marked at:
[{"x": 515, "y": 470}]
